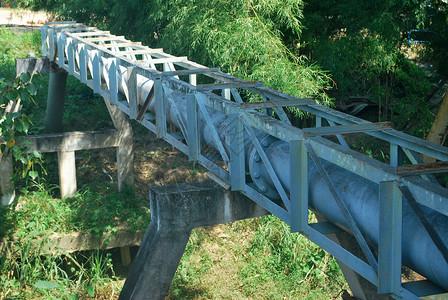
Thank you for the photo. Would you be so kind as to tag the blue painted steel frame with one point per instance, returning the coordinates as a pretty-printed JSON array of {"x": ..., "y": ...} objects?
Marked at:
[
  {"x": 61, "y": 36},
  {"x": 389, "y": 257}
]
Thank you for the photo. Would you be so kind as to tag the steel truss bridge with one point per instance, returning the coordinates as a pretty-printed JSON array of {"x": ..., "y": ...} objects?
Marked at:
[{"x": 397, "y": 213}]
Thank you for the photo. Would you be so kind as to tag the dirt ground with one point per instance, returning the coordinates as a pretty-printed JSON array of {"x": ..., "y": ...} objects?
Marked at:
[{"x": 22, "y": 17}]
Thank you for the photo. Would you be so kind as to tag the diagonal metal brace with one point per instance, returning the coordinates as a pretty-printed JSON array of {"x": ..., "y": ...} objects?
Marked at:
[
  {"x": 425, "y": 222},
  {"x": 203, "y": 109},
  {"x": 182, "y": 126},
  {"x": 267, "y": 163},
  {"x": 344, "y": 209}
]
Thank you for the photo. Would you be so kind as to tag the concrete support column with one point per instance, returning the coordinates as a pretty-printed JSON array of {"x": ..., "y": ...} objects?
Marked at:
[
  {"x": 7, "y": 191},
  {"x": 55, "y": 101},
  {"x": 175, "y": 211},
  {"x": 125, "y": 253},
  {"x": 125, "y": 149},
  {"x": 53, "y": 124},
  {"x": 67, "y": 173}
]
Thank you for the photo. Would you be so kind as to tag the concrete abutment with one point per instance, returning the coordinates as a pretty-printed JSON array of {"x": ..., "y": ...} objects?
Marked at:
[{"x": 175, "y": 211}]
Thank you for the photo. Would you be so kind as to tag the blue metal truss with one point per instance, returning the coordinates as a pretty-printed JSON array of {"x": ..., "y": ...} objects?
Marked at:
[{"x": 154, "y": 88}]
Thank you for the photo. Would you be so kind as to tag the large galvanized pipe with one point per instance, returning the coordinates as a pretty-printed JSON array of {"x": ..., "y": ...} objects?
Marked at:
[{"x": 360, "y": 195}]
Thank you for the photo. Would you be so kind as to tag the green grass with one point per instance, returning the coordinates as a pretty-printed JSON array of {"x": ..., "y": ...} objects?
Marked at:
[
  {"x": 255, "y": 259},
  {"x": 16, "y": 45},
  {"x": 94, "y": 209},
  {"x": 37, "y": 215}
]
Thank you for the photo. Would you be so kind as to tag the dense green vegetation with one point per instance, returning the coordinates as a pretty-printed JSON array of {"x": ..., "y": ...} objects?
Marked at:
[
  {"x": 332, "y": 50},
  {"x": 14, "y": 92},
  {"x": 365, "y": 46},
  {"x": 28, "y": 271},
  {"x": 244, "y": 38}
]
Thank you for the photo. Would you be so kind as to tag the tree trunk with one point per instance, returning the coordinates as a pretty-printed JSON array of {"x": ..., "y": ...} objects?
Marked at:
[{"x": 439, "y": 127}]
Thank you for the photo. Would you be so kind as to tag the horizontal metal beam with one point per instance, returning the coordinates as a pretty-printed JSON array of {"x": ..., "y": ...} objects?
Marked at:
[
  {"x": 346, "y": 129},
  {"x": 120, "y": 45},
  {"x": 168, "y": 60},
  {"x": 228, "y": 85},
  {"x": 191, "y": 71},
  {"x": 105, "y": 39},
  {"x": 392, "y": 136},
  {"x": 140, "y": 51},
  {"x": 419, "y": 169},
  {"x": 277, "y": 103}
]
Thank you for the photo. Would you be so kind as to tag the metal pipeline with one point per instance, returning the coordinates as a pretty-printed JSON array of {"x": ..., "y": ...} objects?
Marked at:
[{"x": 361, "y": 196}]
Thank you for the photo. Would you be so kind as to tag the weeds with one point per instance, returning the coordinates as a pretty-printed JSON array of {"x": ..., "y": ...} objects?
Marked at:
[
  {"x": 290, "y": 259},
  {"x": 94, "y": 209},
  {"x": 269, "y": 263},
  {"x": 13, "y": 45},
  {"x": 29, "y": 270}
]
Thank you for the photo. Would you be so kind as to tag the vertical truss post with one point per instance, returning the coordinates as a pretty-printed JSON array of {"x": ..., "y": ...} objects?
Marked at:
[
  {"x": 237, "y": 161},
  {"x": 390, "y": 236},
  {"x": 396, "y": 155},
  {"x": 113, "y": 81},
  {"x": 132, "y": 91},
  {"x": 318, "y": 121},
  {"x": 96, "y": 65},
  {"x": 43, "y": 34},
  {"x": 298, "y": 170},
  {"x": 83, "y": 63},
  {"x": 61, "y": 50},
  {"x": 51, "y": 44},
  {"x": 160, "y": 108},
  {"x": 226, "y": 93},
  {"x": 193, "y": 79},
  {"x": 194, "y": 143},
  {"x": 267, "y": 111},
  {"x": 71, "y": 57}
]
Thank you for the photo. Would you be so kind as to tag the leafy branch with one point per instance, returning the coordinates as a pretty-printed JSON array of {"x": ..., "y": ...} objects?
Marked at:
[{"x": 14, "y": 123}]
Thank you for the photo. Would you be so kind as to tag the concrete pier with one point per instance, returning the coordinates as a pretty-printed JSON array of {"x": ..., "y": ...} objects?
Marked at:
[
  {"x": 175, "y": 211},
  {"x": 7, "y": 191}
]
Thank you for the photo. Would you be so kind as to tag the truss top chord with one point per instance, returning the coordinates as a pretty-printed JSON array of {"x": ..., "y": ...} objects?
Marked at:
[
  {"x": 120, "y": 45},
  {"x": 191, "y": 72},
  {"x": 228, "y": 85},
  {"x": 346, "y": 129},
  {"x": 105, "y": 38},
  {"x": 419, "y": 169},
  {"x": 277, "y": 103},
  {"x": 91, "y": 33}
]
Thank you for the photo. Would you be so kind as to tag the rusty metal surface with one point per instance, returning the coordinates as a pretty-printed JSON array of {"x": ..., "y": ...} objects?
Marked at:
[
  {"x": 346, "y": 129},
  {"x": 419, "y": 169},
  {"x": 277, "y": 103}
]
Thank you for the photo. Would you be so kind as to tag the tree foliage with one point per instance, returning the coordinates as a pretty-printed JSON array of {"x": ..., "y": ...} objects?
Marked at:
[
  {"x": 16, "y": 93},
  {"x": 363, "y": 44},
  {"x": 14, "y": 123},
  {"x": 244, "y": 38}
]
